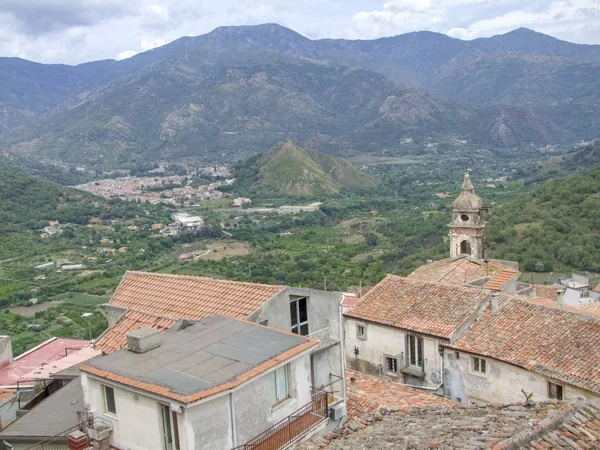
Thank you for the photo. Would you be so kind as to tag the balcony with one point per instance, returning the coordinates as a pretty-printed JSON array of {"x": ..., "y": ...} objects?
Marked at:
[
  {"x": 293, "y": 427},
  {"x": 327, "y": 336}
]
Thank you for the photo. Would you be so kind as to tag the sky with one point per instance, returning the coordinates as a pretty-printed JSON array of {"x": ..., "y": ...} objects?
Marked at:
[{"x": 76, "y": 31}]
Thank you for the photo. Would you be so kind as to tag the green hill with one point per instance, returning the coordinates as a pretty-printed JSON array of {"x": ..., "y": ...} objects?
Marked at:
[
  {"x": 289, "y": 170},
  {"x": 552, "y": 228},
  {"x": 576, "y": 161}
]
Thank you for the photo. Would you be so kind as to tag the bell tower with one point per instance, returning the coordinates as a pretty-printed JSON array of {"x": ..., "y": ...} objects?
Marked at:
[{"x": 467, "y": 229}]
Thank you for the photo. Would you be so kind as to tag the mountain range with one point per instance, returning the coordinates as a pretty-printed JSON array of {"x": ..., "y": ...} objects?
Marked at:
[{"x": 239, "y": 90}]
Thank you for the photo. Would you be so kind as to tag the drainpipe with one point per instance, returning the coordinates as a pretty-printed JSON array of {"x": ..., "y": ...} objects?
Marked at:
[
  {"x": 233, "y": 424},
  {"x": 342, "y": 349}
]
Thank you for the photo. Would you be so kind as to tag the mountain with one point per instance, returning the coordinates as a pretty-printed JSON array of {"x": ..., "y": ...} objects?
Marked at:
[
  {"x": 553, "y": 228},
  {"x": 288, "y": 170},
  {"x": 236, "y": 90}
]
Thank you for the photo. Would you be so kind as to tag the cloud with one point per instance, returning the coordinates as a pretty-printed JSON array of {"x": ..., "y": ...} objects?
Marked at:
[
  {"x": 37, "y": 17},
  {"x": 74, "y": 31},
  {"x": 126, "y": 54},
  {"x": 576, "y": 20}
]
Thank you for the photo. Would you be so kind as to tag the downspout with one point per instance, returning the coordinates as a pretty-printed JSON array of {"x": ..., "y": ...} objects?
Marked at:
[
  {"x": 233, "y": 424},
  {"x": 343, "y": 350}
]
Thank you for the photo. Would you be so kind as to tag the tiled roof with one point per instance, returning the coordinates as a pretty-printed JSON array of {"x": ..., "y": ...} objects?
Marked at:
[
  {"x": 552, "y": 342},
  {"x": 496, "y": 427},
  {"x": 115, "y": 338},
  {"x": 593, "y": 309},
  {"x": 597, "y": 288},
  {"x": 430, "y": 308},
  {"x": 499, "y": 280},
  {"x": 368, "y": 393},
  {"x": 575, "y": 426},
  {"x": 189, "y": 297},
  {"x": 546, "y": 291},
  {"x": 456, "y": 271}
]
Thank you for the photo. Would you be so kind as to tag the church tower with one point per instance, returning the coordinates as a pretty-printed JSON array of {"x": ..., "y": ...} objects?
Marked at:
[{"x": 467, "y": 227}]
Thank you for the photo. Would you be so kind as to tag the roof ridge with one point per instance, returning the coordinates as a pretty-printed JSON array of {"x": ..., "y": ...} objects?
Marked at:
[
  {"x": 430, "y": 283},
  {"x": 198, "y": 278}
]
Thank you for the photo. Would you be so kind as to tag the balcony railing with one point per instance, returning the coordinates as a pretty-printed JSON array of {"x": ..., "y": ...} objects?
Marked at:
[
  {"x": 327, "y": 336},
  {"x": 292, "y": 427}
]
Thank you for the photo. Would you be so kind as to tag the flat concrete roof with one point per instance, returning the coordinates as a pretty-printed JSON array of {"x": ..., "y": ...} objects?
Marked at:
[
  {"x": 197, "y": 356},
  {"x": 52, "y": 416}
]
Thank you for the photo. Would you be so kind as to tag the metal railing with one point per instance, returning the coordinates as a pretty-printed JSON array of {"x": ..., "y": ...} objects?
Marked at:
[
  {"x": 59, "y": 441},
  {"x": 292, "y": 427},
  {"x": 327, "y": 336}
]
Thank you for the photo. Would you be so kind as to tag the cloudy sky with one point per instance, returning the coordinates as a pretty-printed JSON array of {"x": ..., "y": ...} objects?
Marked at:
[{"x": 75, "y": 31}]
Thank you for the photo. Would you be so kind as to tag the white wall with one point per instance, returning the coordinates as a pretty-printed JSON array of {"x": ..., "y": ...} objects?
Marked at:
[
  {"x": 207, "y": 425},
  {"x": 502, "y": 383},
  {"x": 136, "y": 425},
  {"x": 384, "y": 340}
]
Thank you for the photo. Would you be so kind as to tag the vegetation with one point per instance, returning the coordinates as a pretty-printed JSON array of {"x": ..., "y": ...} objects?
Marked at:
[
  {"x": 290, "y": 171},
  {"x": 553, "y": 227}
]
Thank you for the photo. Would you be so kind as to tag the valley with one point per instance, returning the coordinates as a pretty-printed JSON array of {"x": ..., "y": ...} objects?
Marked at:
[{"x": 256, "y": 154}]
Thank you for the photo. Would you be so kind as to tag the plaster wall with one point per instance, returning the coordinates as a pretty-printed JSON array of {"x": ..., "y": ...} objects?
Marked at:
[
  {"x": 136, "y": 425},
  {"x": 384, "y": 341},
  {"x": 207, "y": 426},
  {"x": 502, "y": 383},
  {"x": 6, "y": 354}
]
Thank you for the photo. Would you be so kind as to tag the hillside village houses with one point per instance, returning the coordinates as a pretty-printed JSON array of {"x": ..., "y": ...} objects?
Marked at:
[
  {"x": 466, "y": 328},
  {"x": 191, "y": 362}
]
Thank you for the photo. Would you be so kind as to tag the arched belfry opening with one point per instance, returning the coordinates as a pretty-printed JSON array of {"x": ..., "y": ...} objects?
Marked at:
[
  {"x": 465, "y": 248},
  {"x": 467, "y": 226}
]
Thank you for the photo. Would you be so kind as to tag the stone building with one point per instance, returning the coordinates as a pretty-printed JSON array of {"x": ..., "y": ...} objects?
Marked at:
[{"x": 467, "y": 226}]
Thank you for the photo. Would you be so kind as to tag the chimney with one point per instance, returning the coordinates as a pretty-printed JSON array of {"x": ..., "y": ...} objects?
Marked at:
[
  {"x": 560, "y": 298},
  {"x": 352, "y": 384},
  {"x": 495, "y": 305},
  {"x": 143, "y": 340},
  {"x": 77, "y": 441}
]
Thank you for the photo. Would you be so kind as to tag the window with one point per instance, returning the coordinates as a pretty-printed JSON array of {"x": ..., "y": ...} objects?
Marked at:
[
  {"x": 465, "y": 248},
  {"x": 464, "y": 218},
  {"x": 479, "y": 365},
  {"x": 280, "y": 385},
  {"x": 169, "y": 428},
  {"x": 299, "y": 315},
  {"x": 555, "y": 391},
  {"x": 415, "y": 351},
  {"x": 109, "y": 400},
  {"x": 361, "y": 331},
  {"x": 391, "y": 365}
]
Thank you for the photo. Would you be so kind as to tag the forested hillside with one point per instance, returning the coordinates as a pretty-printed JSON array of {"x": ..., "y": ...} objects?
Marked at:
[{"x": 554, "y": 227}]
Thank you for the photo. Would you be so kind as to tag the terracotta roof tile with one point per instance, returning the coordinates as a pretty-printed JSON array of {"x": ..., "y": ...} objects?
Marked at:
[
  {"x": 456, "y": 271},
  {"x": 369, "y": 393},
  {"x": 499, "y": 280},
  {"x": 597, "y": 288},
  {"x": 555, "y": 343},
  {"x": 546, "y": 291},
  {"x": 430, "y": 308},
  {"x": 115, "y": 338},
  {"x": 189, "y": 297}
]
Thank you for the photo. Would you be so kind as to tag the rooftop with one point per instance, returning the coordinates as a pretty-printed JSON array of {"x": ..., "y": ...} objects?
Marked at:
[
  {"x": 540, "y": 426},
  {"x": 52, "y": 416},
  {"x": 196, "y": 361},
  {"x": 500, "y": 280},
  {"x": 547, "y": 291},
  {"x": 552, "y": 342},
  {"x": 190, "y": 297},
  {"x": 115, "y": 338},
  {"x": 431, "y": 308},
  {"x": 457, "y": 271},
  {"x": 368, "y": 393},
  {"x": 38, "y": 362}
]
